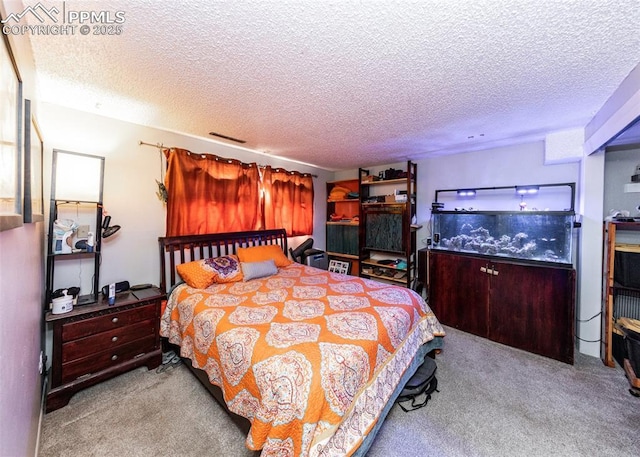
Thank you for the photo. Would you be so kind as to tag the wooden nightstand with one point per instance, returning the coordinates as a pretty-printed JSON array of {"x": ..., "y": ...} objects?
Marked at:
[{"x": 96, "y": 342}]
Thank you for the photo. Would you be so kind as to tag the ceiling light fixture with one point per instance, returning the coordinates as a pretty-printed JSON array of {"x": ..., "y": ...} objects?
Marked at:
[
  {"x": 466, "y": 193},
  {"x": 225, "y": 137}
]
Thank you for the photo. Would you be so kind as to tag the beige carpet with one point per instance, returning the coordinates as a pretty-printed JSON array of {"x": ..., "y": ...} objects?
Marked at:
[{"x": 493, "y": 401}]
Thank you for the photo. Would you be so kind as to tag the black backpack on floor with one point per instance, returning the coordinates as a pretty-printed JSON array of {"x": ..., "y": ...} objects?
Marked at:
[{"x": 422, "y": 384}]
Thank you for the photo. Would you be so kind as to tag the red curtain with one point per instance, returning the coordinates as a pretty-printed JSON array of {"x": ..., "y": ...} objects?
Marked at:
[
  {"x": 210, "y": 194},
  {"x": 288, "y": 201}
]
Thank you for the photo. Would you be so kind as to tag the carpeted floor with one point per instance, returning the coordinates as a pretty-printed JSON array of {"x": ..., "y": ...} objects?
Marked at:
[{"x": 493, "y": 401}]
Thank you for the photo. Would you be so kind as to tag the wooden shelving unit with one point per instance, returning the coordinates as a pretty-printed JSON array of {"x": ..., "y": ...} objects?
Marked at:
[
  {"x": 342, "y": 235},
  {"x": 386, "y": 229},
  {"x": 613, "y": 289}
]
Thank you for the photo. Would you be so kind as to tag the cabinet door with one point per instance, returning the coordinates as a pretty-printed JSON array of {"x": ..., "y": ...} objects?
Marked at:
[
  {"x": 532, "y": 308},
  {"x": 458, "y": 292}
]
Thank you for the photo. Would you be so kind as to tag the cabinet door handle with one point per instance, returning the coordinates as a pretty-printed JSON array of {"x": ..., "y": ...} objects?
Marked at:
[
  {"x": 114, "y": 339},
  {"x": 114, "y": 320},
  {"x": 114, "y": 357}
]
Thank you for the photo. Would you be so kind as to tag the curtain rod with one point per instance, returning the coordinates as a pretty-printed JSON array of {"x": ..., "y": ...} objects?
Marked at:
[
  {"x": 161, "y": 146},
  {"x": 157, "y": 145}
]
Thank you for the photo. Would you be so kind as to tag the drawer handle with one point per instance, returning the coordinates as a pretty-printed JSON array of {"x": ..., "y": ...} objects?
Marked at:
[
  {"x": 114, "y": 357},
  {"x": 114, "y": 339},
  {"x": 114, "y": 320}
]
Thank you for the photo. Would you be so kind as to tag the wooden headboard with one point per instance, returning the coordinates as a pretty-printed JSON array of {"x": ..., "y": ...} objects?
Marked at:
[{"x": 175, "y": 250}]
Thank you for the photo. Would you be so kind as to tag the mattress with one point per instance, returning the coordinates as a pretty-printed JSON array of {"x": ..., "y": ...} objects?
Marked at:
[{"x": 311, "y": 358}]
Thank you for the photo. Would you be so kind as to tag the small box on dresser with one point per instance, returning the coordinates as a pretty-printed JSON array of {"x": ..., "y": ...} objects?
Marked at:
[{"x": 93, "y": 343}]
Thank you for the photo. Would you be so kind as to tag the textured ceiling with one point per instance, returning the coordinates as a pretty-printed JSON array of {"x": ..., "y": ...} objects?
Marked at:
[{"x": 342, "y": 84}]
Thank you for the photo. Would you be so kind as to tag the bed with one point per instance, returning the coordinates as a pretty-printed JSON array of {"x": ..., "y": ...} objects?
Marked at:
[{"x": 307, "y": 362}]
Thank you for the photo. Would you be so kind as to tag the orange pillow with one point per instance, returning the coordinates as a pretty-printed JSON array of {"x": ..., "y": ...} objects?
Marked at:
[
  {"x": 202, "y": 273},
  {"x": 262, "y": 253}
]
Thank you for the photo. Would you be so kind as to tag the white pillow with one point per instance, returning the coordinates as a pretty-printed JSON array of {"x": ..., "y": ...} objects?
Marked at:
[{"x": 253, "y": 270}]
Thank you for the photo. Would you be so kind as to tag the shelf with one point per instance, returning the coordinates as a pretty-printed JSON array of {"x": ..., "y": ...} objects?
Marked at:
[
  {"x": 75, "y": 202},
  {"x": 346, "y": 256},
  {"x": 386, "y": 251},
  {"x": 387, "y": 232},
  {"x": 74, "y": 255},
  {"x": 618, "y": 299},
  {"x": 345, "y": 200},
  {"x": 384, "y": 203},
  {"x": 386, "y": 278},
  {"x": 385, "y": 181},
  {"x": 86, "y": 206},
  {"x": 342, "y": 234},
  {"x": 626, "y": 225},
  {"x": 617, "y": 287},
  {"x": 381, "y": 265},
  {"x": 623, "y": 247}
]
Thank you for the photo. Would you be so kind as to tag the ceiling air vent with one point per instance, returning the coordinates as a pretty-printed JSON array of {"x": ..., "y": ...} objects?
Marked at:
[{"x": 225, "y": 137}]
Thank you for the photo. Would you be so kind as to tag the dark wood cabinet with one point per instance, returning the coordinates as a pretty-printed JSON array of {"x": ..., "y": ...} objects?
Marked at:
[
  {"x": 96, "y": 342},
  {"x": 530, "y": 307},
  {"x": 458, "y": 296}
]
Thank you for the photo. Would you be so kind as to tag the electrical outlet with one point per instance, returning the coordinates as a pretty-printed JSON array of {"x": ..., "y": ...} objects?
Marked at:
[{"x": 82, "y": 232}]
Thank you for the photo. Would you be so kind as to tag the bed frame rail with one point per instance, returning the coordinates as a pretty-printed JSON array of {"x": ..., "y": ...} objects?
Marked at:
[{"x": 175, "y": 250}]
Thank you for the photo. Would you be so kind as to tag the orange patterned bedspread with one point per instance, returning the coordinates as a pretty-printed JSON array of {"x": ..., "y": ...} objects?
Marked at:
[{"x": 308, "y": 356}]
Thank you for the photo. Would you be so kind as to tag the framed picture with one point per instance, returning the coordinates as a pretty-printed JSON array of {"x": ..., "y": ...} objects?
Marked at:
[
  {"x": 33, "y": 193},
  {"x": 338, "y": 266},
  {"x": 10, "y": 139}
]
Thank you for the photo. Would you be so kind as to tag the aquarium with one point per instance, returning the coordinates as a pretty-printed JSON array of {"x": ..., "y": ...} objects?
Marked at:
[{"x": 544, "y": 236}]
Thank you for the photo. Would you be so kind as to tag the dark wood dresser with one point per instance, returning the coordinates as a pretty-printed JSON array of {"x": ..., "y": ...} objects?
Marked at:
[
  {"x": 96, "y": 342},
  {"x": 529, "y": 307}
]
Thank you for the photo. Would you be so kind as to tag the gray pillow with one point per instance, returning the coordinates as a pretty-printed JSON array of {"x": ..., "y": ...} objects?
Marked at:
[{"x": 253, "y": 270}]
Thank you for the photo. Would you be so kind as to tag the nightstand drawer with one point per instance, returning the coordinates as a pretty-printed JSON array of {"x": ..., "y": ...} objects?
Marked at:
[
  {"x": 104, "y": 341},
  {"x": 99, "y": 361},
  {"x": 106, "y": 322}
]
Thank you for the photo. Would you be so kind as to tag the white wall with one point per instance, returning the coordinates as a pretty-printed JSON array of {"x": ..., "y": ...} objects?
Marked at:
[
  {"x": 589, "y": 291},
  {"x": 618, "y": 168},
  {"x": 507, "y": 166},
  {"x": 21, "y": 302},
  {"x": 21, "y": 287},
  {"x": 618, "y": 112},
  {"x": 130, "y": 189}
]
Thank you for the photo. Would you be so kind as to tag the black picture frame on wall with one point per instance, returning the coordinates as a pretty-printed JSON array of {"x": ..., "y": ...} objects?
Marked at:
[
  {"x": 33, "y": 177},
  {"x": 10, "y": 139}
]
